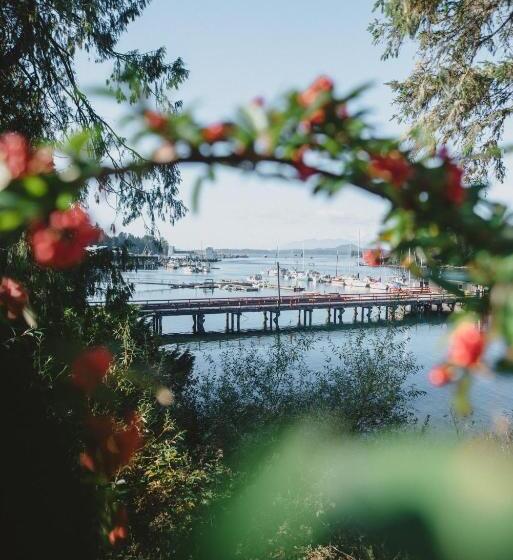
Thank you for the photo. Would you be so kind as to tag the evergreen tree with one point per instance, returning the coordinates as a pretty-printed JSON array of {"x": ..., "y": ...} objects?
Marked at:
[
  {"x": 40, "y": 95},
  {"x": 461, "y": 86},
  {"x": 137, "y": 244}
]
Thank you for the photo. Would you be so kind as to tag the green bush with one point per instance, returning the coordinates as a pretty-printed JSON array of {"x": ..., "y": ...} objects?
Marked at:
[{"x": 250, "y": 390}]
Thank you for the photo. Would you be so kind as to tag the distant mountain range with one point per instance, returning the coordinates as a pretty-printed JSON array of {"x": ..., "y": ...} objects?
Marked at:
[
  {"x": 326, "y": 246},
  {"x": 342, "y": 250},
  {"x": 312, "y": 244}
]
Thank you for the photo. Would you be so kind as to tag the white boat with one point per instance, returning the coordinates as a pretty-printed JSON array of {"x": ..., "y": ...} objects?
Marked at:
[
  {"x": 305, "y": 275},
  {"x": 325, "y": 279},
  {"x": 398, "y": 282},
  {"x": 255, "y": 278},
  {"x": 360, "y": 283},
  {"x": 377, "y": 284},
  {"x": 403, "y": 281},
  {"x": 354, "y": 280},
  {"x": 357, "y": 282},
  {"x": 191, "y": 269},
  {"x": 253, "y": 288},
  {"x": 274, "y": 272}
]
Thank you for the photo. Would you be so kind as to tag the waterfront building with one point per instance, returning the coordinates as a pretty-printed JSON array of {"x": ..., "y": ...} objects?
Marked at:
[{"x": 210, "y": 253}]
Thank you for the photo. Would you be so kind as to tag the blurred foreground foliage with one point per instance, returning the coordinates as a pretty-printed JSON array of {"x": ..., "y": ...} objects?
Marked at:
[{"x": 421, "y": 498}]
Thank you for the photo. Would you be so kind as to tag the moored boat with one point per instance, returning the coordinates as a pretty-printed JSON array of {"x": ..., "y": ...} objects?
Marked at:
[{"x": 377, "y": 285}]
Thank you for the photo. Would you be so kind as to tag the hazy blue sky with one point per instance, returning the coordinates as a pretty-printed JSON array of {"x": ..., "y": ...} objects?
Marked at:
[{"x": 235, "y": 51}]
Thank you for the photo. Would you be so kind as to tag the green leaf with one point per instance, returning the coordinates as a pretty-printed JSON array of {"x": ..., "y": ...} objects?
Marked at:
[
  {"x": 10, "y": 219},
  {"x": 64, "y": 200},
  {"x": 195, "y": 195},
  {"x": 35, "y": 186}
]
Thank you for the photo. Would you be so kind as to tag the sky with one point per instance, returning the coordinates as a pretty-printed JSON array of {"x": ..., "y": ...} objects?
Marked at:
[{"x": 238, "y": 50}]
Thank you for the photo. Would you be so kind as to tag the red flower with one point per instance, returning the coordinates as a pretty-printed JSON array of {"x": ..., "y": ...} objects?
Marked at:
[
  {"x": 62, "y": 242},
  {"x": 129, "y": 440},
  {"x": 455, "y": 191},
  {"x": 155, "y": 121},
  {"x": 341, "y": 111},
  {"x": 372, "y": 257},
  {"x": 111, "y": 448},
  {"x": 87, "y": 462},
  {"x": 14, "y": 152},
  {"x": 13, "y": 297},
  {"x": 453, "y": 183},
  {"x": 215, "y": 132},
  {"x": 393, "y": 168},
  {"x": 466, "y": 346},
  {"x": 41, "y": 162},
  {"x": 120, "y": 529},
  {"x": 322, "y": 84},
  {"x": 304, "y": 171},
  {"x": 440, "y": 375},
  {"x": 20, "y": 159},
  {"x": 316, "y": 118},
  {"x": 89, "y": 369}
]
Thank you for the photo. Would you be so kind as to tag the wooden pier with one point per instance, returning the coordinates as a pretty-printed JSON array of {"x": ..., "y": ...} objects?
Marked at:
[{"x": 415, "y": 300}]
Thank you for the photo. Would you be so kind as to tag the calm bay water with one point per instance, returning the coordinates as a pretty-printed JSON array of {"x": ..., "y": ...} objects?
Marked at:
[{"x": 426, "y": 339}]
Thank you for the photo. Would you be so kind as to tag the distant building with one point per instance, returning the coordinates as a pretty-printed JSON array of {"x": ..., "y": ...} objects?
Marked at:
[
  {"x": 210, "y": 253},
  {"x": 173, "y": 251}
]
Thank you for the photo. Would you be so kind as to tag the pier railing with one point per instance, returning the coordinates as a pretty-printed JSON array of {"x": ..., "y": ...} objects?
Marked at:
[
  {"x": 418, "y": 300},
  {"x": 195, "y": 304}
]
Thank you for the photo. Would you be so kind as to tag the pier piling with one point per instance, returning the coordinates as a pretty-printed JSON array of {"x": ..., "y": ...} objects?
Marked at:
[
  {"x": 276, "y": 316},
  {"x": 413, "y": 301}
]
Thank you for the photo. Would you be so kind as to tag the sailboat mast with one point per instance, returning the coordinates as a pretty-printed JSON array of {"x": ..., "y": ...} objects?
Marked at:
[
  {"x": 336, "y": 266},
  {"x": 409, "y": 267},
  {"x": 358, "y": 256}
]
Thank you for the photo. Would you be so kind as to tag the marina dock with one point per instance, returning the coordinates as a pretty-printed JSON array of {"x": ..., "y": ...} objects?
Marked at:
[{"x": 413, "y": 300}]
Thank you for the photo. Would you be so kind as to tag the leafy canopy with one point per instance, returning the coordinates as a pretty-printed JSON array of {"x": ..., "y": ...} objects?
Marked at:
[
  {"x": 460, "y": 88},
  {"x": 40, "y": 95}
]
